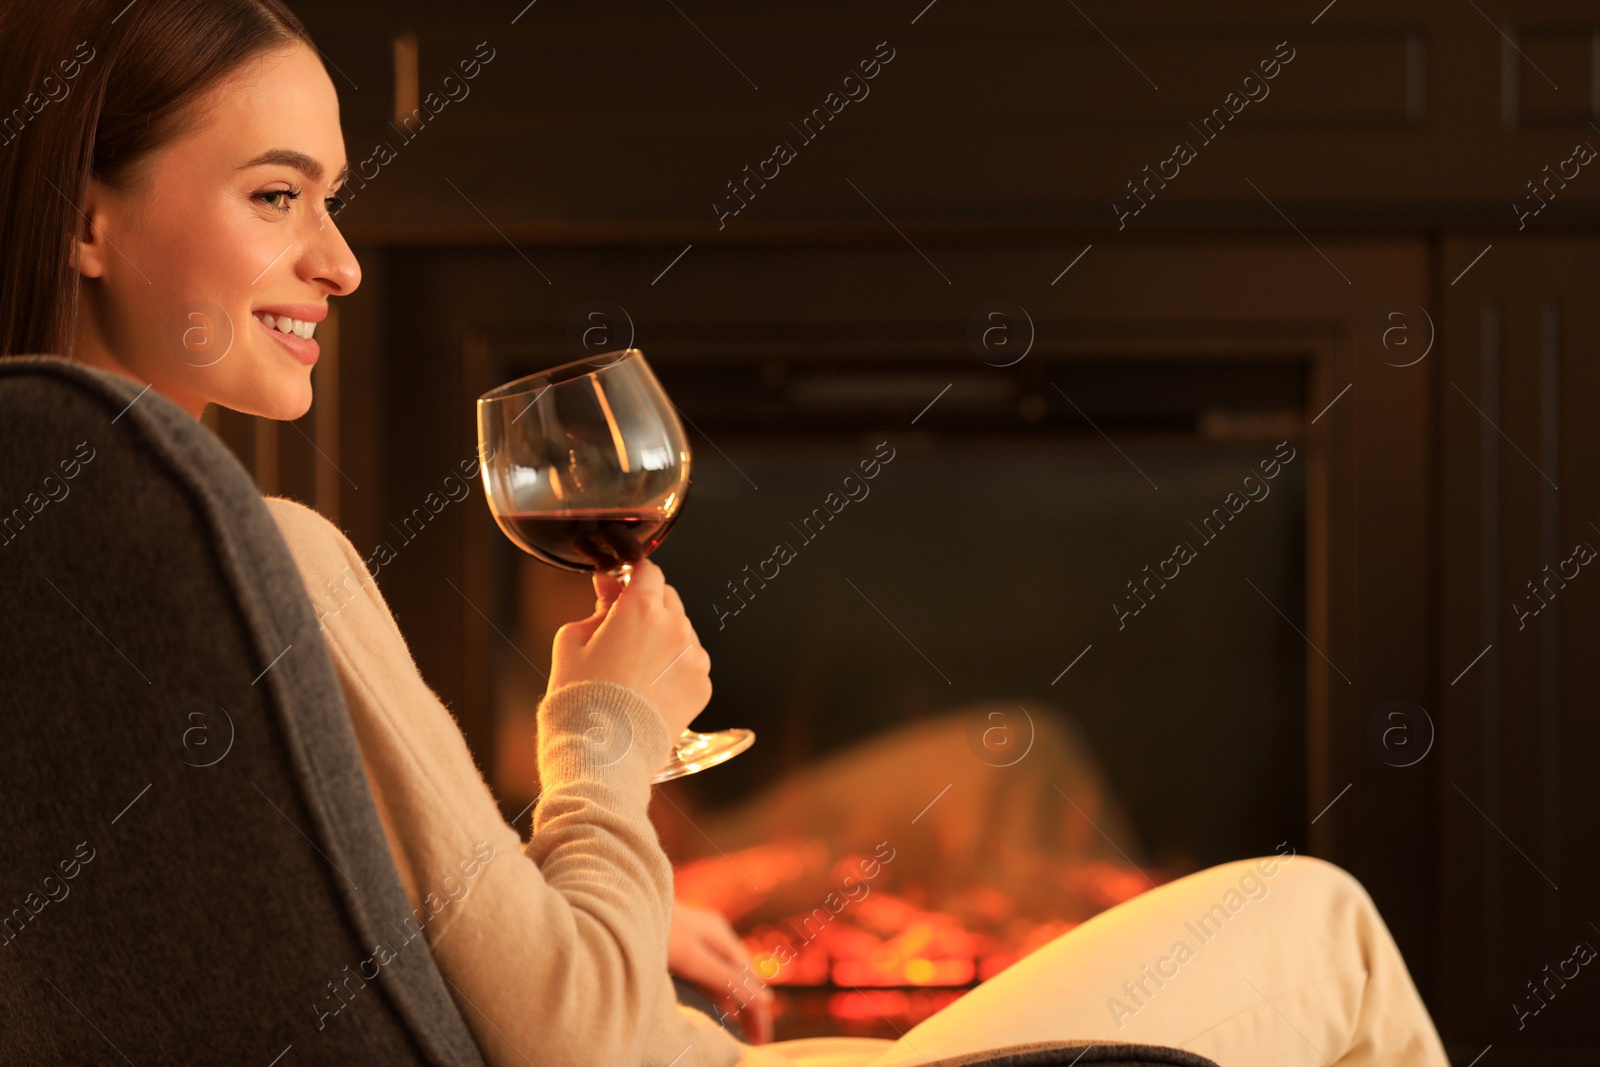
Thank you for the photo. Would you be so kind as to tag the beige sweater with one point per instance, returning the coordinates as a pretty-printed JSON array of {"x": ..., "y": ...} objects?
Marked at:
[{"x": 555, "y": 950}]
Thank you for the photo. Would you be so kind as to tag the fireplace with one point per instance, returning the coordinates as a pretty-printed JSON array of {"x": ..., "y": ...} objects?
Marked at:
[
  {"x": 937, "y": 789},
  {"x": 1013, "y": 571}
]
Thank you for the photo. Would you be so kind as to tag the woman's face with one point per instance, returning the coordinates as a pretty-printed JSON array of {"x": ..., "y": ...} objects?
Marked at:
[{"x": 224, "y": 238}]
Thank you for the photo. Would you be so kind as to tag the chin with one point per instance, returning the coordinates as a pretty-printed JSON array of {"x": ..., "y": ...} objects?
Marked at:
[
  {"x": 280, "y": 397},
  {"x": 291, "y": 401}
]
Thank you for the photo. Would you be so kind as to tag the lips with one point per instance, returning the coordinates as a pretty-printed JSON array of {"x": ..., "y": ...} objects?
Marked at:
[
  {"x": 304, "y": 349},
  {"x": 293, "y": 326}
]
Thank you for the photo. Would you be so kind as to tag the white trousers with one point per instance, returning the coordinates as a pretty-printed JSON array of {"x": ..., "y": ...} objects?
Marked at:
[{"x": 1279, "y": 961}]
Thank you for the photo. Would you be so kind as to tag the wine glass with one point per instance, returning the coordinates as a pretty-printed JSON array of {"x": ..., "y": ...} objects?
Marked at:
[{"x": 586, "y": 467}]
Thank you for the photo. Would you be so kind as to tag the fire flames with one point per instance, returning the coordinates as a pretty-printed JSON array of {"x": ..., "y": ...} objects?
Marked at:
[
  {"x": 869, "y": 897},
  {"x": 887, "y": 941},
  {"x": 890, "y": 954}
]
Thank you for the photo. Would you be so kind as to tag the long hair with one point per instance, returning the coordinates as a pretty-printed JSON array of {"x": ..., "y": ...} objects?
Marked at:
[{"x": 89, "y": 88}]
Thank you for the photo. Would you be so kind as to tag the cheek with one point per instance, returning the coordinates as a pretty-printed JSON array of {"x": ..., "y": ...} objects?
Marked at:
[
  {"x": 196, "y": 289},
  {"x": 216, "y": 271}
]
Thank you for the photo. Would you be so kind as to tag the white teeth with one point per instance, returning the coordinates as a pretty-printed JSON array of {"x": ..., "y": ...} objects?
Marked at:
[{"x": 284, "y": 324}]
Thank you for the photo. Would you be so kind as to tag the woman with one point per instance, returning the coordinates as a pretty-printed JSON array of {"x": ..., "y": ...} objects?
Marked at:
[{"x": 169, "y": 179}]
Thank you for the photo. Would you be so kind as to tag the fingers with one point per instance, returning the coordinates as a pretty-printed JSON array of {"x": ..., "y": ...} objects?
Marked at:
[
  {"x": 606, "y": 589},
  {"x": 760, "y": 1017},
  {"x": 640, "y": 638},
  {"x": 738, "y": 994},
  {"x": 722, "y": 940},
  {"x": 685, "y": 631},
  {"x": 646, "y": 583},
  {"x": 752, "y": 1006},
  {"x": 709, "y": 953},
  {"x": 674, "y": 605},
  {"x": 711, "y": 935},
  {"x": 699, "y": 964}
]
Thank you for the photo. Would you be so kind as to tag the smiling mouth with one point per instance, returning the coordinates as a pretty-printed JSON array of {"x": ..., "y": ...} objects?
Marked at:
[
  {"x": 284, "y": 324},
  {"x": 294, "y": 335}
]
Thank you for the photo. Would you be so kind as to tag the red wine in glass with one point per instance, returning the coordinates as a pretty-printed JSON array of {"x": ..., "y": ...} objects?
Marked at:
[
  {"x": 603, "y": 539},
  {"x": 586, "y": 467}
]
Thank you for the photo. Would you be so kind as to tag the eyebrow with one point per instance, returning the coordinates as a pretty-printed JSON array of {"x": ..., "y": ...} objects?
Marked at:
[{"x": 301, "y": 162}]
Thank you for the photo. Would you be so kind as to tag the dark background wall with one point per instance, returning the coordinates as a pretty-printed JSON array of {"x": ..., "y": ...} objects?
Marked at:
[{"x": 1369, "y": 223}]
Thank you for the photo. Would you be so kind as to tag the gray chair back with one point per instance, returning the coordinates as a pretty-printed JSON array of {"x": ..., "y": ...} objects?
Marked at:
[{"x": 194, "y": 870}]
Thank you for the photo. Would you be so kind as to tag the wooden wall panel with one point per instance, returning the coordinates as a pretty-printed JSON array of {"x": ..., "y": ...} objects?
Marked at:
[
  {"x": 1027, "y": 113},
  {"x": 1518, "y": 798}
]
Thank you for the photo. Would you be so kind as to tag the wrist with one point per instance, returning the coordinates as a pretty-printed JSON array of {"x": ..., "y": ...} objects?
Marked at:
[{"x": 594, "y": 727}]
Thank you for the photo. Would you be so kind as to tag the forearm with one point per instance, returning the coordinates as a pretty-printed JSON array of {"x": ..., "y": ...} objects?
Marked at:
[{"x": 594, "y": 845}]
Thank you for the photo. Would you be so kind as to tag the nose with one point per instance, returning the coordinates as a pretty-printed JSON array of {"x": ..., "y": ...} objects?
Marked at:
[{"x": 328, "y": 261}]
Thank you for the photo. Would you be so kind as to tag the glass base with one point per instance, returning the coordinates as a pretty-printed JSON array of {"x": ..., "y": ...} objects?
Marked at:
[{"x": 694, "y": 752}]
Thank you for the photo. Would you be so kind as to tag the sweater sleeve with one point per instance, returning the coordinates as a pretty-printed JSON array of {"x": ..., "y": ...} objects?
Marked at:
[{"x": 554, "y": 950}]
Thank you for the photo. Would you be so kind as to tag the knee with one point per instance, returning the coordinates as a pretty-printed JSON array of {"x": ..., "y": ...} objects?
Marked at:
[
  {"x": 1306, "y": 879},
  {"x": 1313, "y": 878},
  {"x": 1324, "y": 873}
]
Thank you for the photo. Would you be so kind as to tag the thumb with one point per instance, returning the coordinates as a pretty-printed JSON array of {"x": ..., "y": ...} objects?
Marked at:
[
  {"x": 606, "y": 591},
  {"x": 579, "y": 631}
]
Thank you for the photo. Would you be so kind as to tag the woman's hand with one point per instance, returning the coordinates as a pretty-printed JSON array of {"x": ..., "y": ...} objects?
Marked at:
[
  {"x": 703, "y": 948},
  {"x": 639, "y": 637}
]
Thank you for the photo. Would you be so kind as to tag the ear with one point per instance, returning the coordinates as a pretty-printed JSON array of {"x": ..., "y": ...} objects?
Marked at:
[{"x": 89, "y": 246}]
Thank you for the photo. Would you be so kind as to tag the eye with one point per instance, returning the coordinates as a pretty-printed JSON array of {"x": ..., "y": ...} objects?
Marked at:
[
  {"x": 270, "y": 199},
  {"x": 333, "y": 204}
]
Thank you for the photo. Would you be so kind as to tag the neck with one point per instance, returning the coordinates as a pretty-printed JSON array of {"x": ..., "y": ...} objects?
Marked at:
[{"x": 90, "y": 349}]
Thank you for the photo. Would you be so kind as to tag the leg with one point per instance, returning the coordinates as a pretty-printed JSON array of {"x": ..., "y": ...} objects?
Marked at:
[{"x": 1278, "y": 961}]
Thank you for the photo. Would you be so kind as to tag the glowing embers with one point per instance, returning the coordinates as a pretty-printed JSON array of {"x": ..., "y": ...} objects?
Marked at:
[
  {"x": 887, "y": 941},
  {"x": 883, "y": 941}
]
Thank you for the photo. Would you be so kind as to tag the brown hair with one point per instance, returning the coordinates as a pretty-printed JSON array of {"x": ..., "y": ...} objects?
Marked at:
[{"x": 89, "y": 88}]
